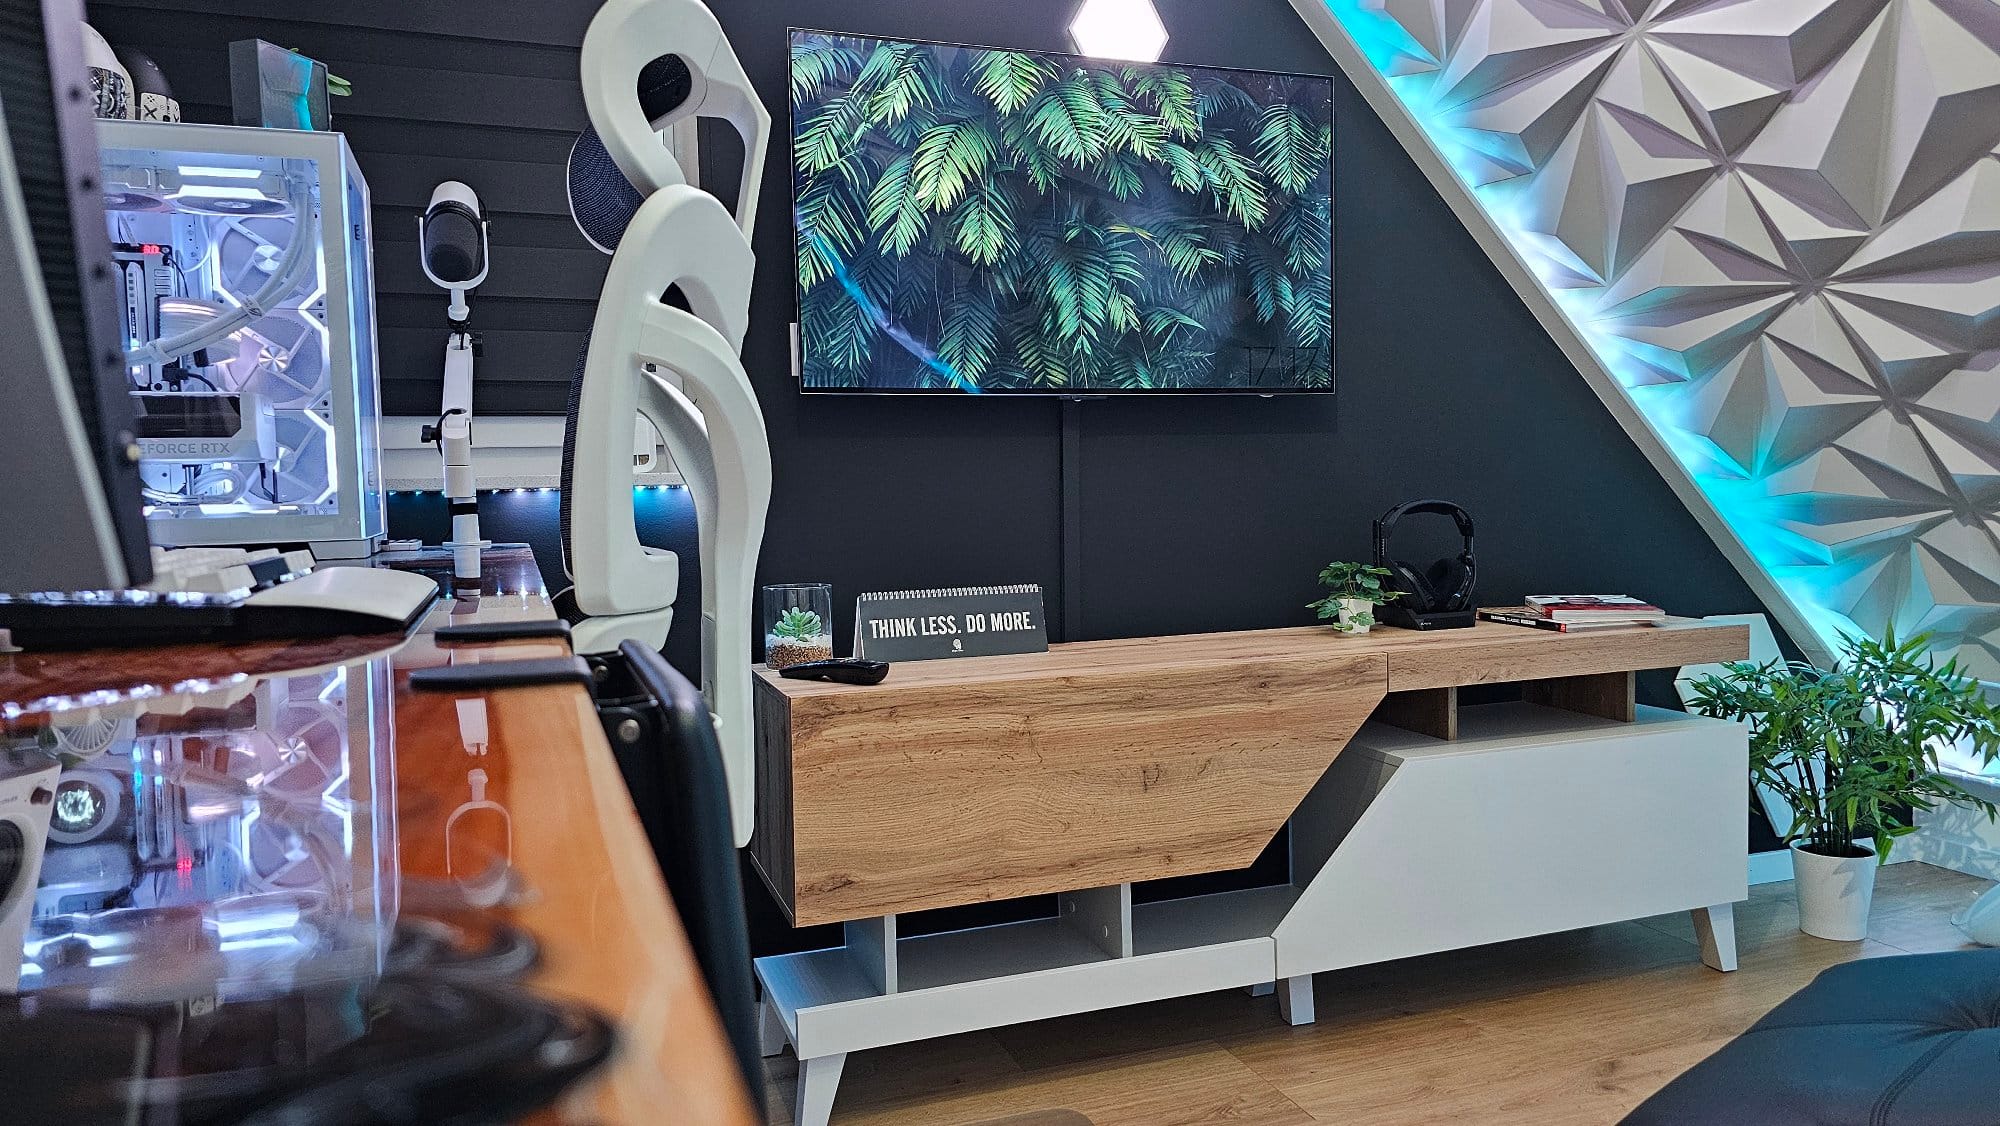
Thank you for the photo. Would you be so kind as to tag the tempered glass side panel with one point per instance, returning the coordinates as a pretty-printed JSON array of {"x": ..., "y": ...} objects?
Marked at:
[
  {"x": 370, "y": 504},
  {"x": 224, "y": 308}
]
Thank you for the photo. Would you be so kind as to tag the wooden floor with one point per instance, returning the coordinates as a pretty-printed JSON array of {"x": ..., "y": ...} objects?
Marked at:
[{"x": 1571, "y": 1028}]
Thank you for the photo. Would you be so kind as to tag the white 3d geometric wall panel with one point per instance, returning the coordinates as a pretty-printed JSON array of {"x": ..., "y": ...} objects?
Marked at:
[{"x": 1768, "y": 231}]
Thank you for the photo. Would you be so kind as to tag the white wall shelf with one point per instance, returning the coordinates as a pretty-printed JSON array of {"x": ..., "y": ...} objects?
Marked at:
[{"x": 510, "y": 452}]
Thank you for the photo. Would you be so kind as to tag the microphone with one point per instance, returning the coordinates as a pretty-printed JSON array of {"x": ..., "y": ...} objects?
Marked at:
[{"x": 453, "y": 236}]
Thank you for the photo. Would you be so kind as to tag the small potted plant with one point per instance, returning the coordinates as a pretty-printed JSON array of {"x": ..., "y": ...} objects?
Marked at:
[
  {"x": 796, "y": 629},
  {"x": 799, "y": 636},
  {"x": 1854, "y": 750},
  {"x": 1353, "y": 592}
]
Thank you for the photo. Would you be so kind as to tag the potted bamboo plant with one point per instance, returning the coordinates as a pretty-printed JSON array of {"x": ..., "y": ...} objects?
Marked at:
[
  {"x": 1854, "y": 750},
  {"x": 1353, "y": 592}
]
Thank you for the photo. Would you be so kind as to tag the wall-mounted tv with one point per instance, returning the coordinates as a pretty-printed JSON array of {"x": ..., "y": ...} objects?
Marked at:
[{"x": 990, "y": 221}]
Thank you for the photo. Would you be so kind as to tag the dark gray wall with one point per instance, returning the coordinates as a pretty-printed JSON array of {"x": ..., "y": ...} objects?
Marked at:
[{"x": 482, "y": 92}]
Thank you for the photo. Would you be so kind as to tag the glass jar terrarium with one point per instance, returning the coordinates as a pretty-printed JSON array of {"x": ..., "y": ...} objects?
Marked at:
[{"x": 798, "y": 624}]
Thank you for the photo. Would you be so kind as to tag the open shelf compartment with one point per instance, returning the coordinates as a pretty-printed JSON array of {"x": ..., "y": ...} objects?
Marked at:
[{"x": 830, "y": 1000}]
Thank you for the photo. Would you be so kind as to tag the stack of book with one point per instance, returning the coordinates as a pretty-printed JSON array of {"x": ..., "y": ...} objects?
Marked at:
[{"x": 1577, "y": 613}]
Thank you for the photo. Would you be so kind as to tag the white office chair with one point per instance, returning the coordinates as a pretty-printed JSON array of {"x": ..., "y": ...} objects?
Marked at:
[
  {"x": 1763, "y": 647},
  {"x": 646, "y": 65}
]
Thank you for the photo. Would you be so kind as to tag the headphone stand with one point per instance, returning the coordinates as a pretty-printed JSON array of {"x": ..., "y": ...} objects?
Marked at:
[
  {"x": 1393, "y": 615},
  {"x": 1440, "y": 597}
]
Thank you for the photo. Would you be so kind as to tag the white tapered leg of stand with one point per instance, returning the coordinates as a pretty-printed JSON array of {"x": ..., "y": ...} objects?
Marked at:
[
  {"x": 1295, "y": 1000},
  {"x": 1715, "y": 927},
  {"x": 819, "y": 1078},
  {"x": 771, "y": 1037},
  {"x": 1261, "y": 989}
]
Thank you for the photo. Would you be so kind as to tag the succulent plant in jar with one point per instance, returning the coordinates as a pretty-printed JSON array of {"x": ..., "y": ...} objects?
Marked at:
[{"x": 798, "y": 636}]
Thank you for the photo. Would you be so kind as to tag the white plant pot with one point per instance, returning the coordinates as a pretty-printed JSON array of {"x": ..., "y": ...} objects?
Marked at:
[
  {"x": 1350, "y": 609},
  {"x": 1834, "y": 894}
]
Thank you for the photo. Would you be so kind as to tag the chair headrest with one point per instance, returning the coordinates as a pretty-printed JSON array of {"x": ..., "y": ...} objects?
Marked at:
[{"x": 600, "y": 199}]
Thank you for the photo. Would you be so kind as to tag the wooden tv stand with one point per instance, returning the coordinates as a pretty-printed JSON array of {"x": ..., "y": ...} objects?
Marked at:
[{"x": 1097, "y": 765}]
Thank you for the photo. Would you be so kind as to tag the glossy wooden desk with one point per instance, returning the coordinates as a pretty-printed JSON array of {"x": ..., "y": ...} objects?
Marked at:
[{"x": 557, "y": 849}]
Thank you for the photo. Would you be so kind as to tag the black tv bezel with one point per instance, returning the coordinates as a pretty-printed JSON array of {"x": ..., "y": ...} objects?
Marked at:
[{"x": 798, "y": 295}]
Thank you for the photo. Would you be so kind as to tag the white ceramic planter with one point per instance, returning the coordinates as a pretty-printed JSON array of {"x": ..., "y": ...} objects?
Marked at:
[
  {"x": 1981, "y": 918},
  {"x": 1350, "y": 609},
  {"x": 1834, "y": 894}
]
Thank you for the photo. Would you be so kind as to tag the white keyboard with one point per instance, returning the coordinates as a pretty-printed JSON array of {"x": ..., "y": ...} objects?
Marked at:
[
  {"x": 225, "y": 570},
  {"x": 268, "y": 595}
]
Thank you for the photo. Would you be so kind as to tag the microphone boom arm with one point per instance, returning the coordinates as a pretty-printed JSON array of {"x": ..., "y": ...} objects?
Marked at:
[
  {"x": 451, "y": 203},
  {"x": 454, "y": 441}
]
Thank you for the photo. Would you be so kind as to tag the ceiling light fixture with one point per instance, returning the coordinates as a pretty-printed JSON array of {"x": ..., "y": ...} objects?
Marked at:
[{"x": 1119, "y": 29}]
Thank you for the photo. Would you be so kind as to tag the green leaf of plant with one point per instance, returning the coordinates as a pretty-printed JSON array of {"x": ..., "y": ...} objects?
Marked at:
[
  {"x": 1171, "y": 93},
  {"x": 898, "y": 79},
  {"x": 819, "y": 62},
  {"x": 894, "y": 212},
  {"x": 1233, "y": 179},
  {"x": 1010, "y": 79},
  {"x": 798, "y": 625},
  {"x": 829, "y": 228},
  {"x": 1270, "y": 287},
  {"x": 971, "y": 331},
  {"x": 1284, "y": 143},
  {"x": 1070, "y": 121},
  {"x": 829, "y": 134},
  {"x": 983, "y": 225},
  {"x": 1162, "y": 323},
  {"x": 1184, "y": 169},
  {"x": 1854, "y": 748},
  {"x": 1121, "y": 174},
  {"x": 949, "y": 160}
]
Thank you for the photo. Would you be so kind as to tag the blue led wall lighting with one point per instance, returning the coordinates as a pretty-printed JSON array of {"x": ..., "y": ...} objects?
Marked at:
[{"x": 1768, "y": 232}]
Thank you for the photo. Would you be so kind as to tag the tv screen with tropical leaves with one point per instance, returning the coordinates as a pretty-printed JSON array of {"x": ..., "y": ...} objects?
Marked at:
[{"x": 980, "y": 220}]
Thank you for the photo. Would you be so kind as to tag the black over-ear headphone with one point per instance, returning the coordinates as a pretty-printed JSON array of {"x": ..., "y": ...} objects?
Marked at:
[{"x": 1445, "y": 585}]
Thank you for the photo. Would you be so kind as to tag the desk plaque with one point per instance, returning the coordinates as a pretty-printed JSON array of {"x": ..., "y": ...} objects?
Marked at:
[{"x": 966, "y": 621}]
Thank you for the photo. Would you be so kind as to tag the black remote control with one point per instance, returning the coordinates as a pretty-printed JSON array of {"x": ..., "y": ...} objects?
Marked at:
[{"x": 843, "y": 670}]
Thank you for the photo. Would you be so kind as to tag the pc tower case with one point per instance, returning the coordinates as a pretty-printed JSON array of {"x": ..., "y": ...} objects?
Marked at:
[{"x": 245, "y": 261}]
